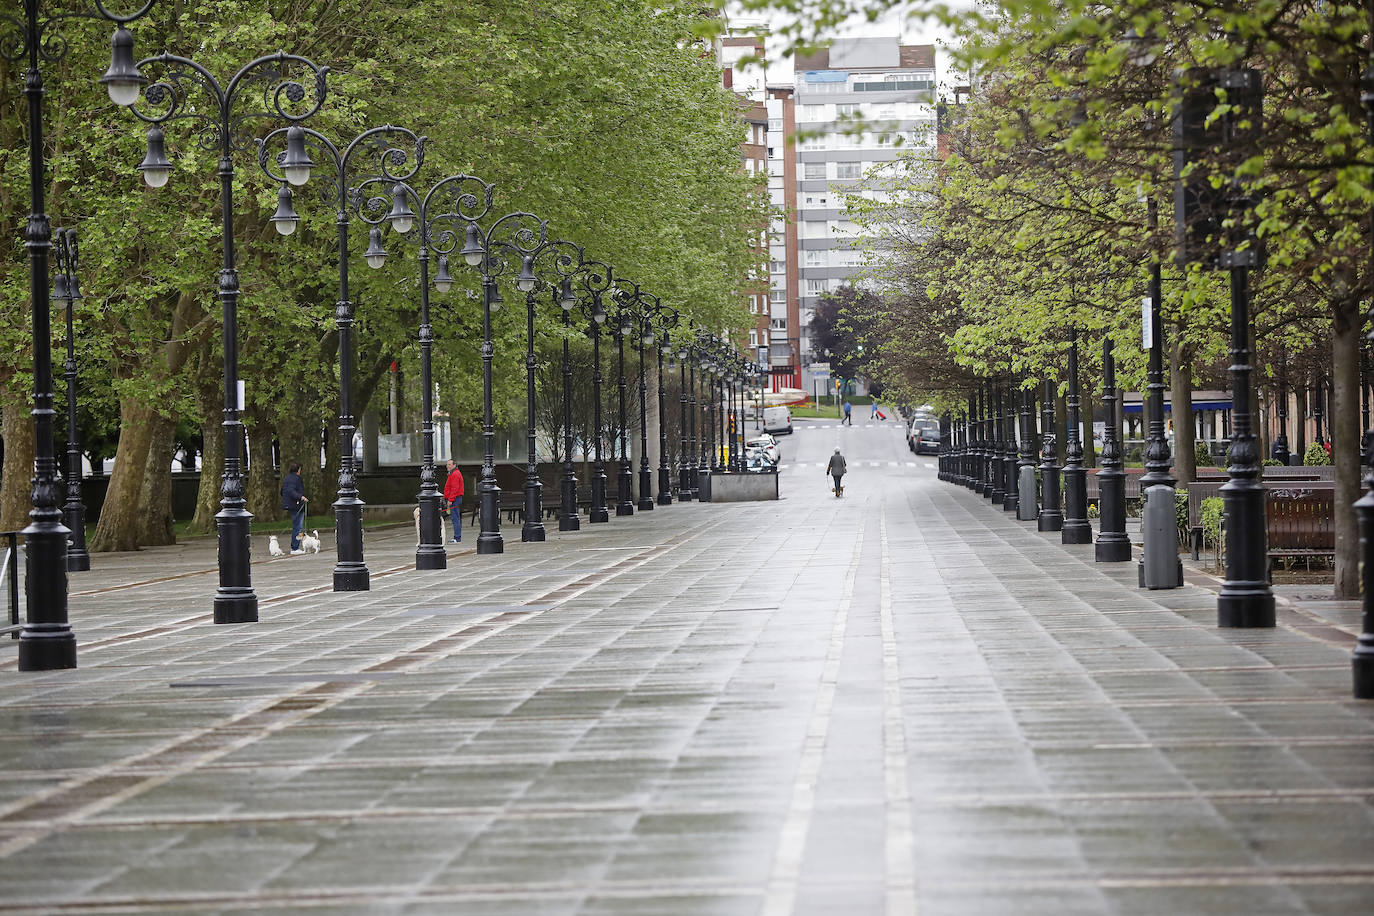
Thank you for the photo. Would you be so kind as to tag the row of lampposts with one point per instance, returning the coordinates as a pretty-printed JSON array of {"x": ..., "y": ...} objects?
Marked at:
[{"x": 372, "y": 182}]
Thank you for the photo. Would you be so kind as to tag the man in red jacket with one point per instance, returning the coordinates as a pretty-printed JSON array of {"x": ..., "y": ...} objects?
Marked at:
[{"x": 453, "y": 496}]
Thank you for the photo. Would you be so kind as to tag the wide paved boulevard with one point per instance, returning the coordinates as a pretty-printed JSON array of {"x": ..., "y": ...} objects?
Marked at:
[{"x": 900, "y": 701}]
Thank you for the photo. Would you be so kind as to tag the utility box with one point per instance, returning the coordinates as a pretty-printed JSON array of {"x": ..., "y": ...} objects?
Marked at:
[
  {"x": 1026, "y": 508},
  {"x": 1161, "y": 567}
]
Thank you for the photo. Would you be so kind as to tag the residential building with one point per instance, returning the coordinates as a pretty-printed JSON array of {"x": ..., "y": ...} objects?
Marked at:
[{"x": 858, "y": 103}]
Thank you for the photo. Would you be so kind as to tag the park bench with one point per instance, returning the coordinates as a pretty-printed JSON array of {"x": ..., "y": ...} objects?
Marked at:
[
  {"x": 1299, "y": 513},
  {"x": 10, "y": 573}
]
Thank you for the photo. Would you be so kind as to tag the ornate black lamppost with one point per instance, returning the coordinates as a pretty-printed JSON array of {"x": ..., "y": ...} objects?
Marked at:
[
  {"x": 625, "y": 326},
  {"x": 667, "y": 319},
  {"x": 1164, "y": 570},
  {"x": 515, "y": 236},
  {"x": 568, "y": 519},
  {"x": 567, "y": 259},
  {"x": 687, "y": 457},
  {"x": 67, "y": 289},
  {"x": 982, "y": 483},
  {"x": 448, "y": 210},
  {"x": 1076, "y": 529},
  {"x": 643, "y": 308},
  {"x": 1051, "y": 518},
  {"x": 1112, "y": 544},
  {"x": 219, "y": 127},
  {"x": 998, "y": 490},
  {"x": 1362, "y": 660},
  {"x": 1026, "y": 509},
  {"x": 350, "y": 572},
  {"x": 47, "y": 641},
  {"x": 1011, "y": 496},
  {"x": 594, "y": 280}
]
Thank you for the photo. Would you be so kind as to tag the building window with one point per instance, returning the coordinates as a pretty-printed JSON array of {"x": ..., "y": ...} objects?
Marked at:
[
  {"x": 778, "y": 324},
  {"x": 815, "y": 287},
  {"x": 852, "y": 110},
  {"x": 817, "y": 258},
  {"x": 849, "y": 170},
  {"x": 813, "y": 170},
  {"x": 776, "y": 267},
  {"x": 775, "y": 123},
  {"x": 753, "y": 337}
]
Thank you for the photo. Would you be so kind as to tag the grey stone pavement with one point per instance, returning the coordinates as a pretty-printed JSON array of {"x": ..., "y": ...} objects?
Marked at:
[{"x": 903, "y": 701}]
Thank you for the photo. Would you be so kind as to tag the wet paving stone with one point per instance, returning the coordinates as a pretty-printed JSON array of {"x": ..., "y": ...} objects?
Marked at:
[{"x": 905, "y": 701}]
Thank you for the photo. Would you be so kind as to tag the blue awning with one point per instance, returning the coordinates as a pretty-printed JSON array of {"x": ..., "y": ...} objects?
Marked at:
[
  {"x": 825, "y": 76},
  {"x": 1168, "y": 408}
]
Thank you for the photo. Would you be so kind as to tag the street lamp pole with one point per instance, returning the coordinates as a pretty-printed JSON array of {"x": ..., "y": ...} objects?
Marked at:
[
  {"x": 67, "y": 289},
  {"x": 1159, "y": 536},
  {"x": 1076, "y": 529},
  {"x": 450, "y": 208},
  {"x": 1112, "y": 544},
  {"x": 264, "y": 77},
  {"x": 1051, "y": 517},
  {"x": 1362, "y": 659},
  {"x": 568, "y": 268},
  {"x": 665, "y": 477},
  {"x": 595, "y": 281},
  {"x": 624, "y": 476},
  {"x": 524, "y": 234},
  {"x": 350, "y": 571},
  {"x": 687, "y": 458},
  {"x": 699, "y": 466}
]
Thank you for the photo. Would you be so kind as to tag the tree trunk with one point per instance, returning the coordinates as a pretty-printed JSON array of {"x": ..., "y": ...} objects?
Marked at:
[
  {"x": 299, "y": 435},
  {"x": 209, "y": 404},
  {"x": 261, "y": 489},
  {"x": 1345, "y": 433},
  {"x": 1181, "y": 402},
  {"x": 15, "y": 498},
  {"x": 155, "y": 493},
  {"x": 119, "y": 524}
]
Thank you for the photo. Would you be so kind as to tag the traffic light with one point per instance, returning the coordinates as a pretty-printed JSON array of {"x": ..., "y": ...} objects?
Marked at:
[{"x": 1212, "y": 148}]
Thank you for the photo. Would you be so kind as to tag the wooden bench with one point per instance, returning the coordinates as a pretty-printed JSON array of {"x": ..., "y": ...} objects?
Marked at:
[{"x": 1299, "y": 514}]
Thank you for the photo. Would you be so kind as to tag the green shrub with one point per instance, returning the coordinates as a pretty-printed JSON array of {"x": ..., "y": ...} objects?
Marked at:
[
  {"x": 1211, "y": 512},
  {"x": 1316, "y": 455},
  {"x": 1136, "y": 455},
  {"x": 1272, "y": 463},
  {"x": 1181, "y": 514}
]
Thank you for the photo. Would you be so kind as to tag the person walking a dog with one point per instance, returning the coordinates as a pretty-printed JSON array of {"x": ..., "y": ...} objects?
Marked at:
[
  {"x": 293, "y": 500},
  {"x": 836, "y": 469},
  {"x": 453, "y": 495}
]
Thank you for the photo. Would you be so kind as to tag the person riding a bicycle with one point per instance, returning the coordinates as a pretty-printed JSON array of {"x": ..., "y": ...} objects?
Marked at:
[{"x": 836, "y": 469}]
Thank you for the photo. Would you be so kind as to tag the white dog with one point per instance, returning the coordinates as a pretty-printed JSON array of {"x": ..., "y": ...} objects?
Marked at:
[
  {"x": 274, "y": 548},
  {"x": 311, "y": 541}
]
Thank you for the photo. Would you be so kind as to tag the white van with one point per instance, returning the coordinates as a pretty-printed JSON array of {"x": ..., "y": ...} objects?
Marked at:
[{"x": 777, "y": 420}]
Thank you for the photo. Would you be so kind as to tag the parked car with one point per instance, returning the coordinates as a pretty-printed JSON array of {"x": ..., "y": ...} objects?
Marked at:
[
  {"x": 777, "y": 420},
  {"x": 918, "y": 421},
  {"x": 924, "y": 440},
  {"x": 765, "y": 444}
]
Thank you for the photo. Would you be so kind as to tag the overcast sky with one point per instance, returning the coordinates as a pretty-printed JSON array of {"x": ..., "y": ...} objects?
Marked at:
[{"x": 894, "y": 22}]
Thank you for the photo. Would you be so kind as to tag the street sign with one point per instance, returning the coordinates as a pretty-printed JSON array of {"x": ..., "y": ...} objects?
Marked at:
[{"x": 820, "y": 368}]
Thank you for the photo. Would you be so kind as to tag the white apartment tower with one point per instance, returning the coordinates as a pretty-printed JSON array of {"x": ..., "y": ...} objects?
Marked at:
[{"x": 891, "y": 88}]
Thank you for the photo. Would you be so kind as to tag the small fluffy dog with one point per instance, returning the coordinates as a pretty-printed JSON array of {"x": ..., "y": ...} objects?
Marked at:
[
  {"x": 311, "y": 541},
  {"x": 273, "y": 547}
]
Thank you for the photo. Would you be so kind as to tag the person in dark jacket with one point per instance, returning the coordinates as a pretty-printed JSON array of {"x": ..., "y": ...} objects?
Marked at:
[
  {"x": 836, "y": 469},
  {"x": 293, "y": 500}
]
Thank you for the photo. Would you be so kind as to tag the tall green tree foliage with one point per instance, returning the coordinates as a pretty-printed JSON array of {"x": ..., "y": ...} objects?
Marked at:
[{"x": 607, "y": 119}]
